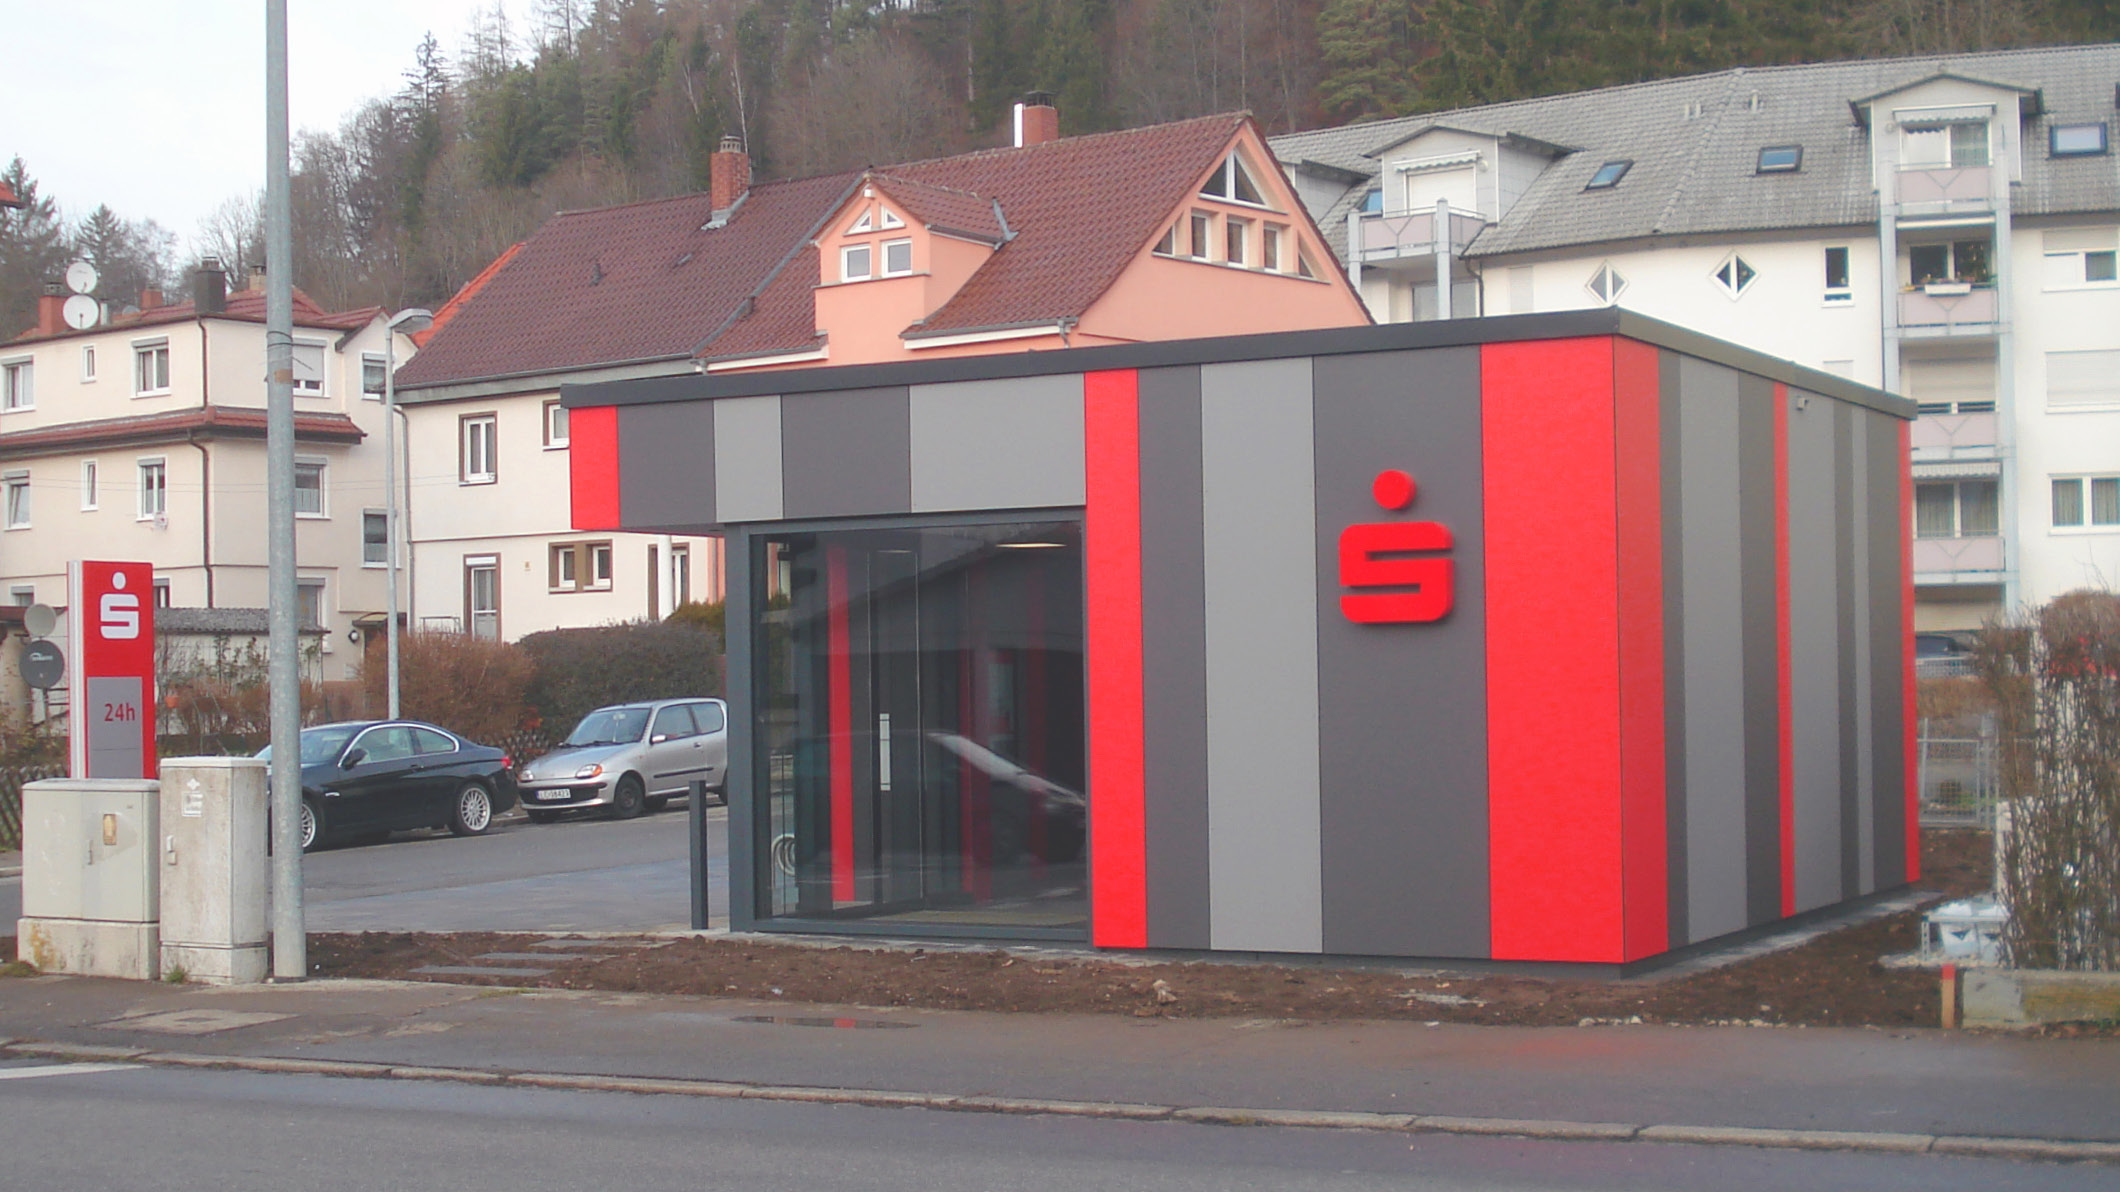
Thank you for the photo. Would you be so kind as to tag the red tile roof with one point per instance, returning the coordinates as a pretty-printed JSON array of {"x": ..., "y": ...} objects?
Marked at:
[
  {"x": 204, "y": 422},
  {"x": 244, "y": 306},
  {"x": 648, "y": 281},
  {"x": 464, "y": 293},
  {"x": 8, "y": 197}
]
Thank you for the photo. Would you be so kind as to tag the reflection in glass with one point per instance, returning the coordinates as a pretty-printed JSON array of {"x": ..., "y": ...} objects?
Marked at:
[{"x": 920, "y": 725}]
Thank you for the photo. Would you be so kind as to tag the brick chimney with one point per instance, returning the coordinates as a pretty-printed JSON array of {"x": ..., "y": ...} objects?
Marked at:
[
  {"x": 728, "y": 174},
  {"x": 257, "y": 279},
  {"x": 151, "y": 298},
  {"x": 1037, "y": 120},
  {"x": 209, "y": 288},
  {"x": 51, "y": 308}
]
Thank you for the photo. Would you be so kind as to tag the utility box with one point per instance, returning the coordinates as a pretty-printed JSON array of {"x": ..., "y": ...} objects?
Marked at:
[
  {"x": 214, "y": 883},
  {"x": 90, "y": 893}
]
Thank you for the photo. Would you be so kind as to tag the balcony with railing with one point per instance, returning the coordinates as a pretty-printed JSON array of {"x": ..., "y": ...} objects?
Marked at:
[
  {"x": 1977, "y": 560},
  {"x": 1947, "y": 190},
  {"x": 1952, "y": 308},
  {"x": 1384, "y": 236},
  {"x": 1948, "y": 436}
]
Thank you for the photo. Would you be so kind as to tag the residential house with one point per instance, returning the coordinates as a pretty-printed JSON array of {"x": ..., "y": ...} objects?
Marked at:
[
  {"x": 1943, "y": 227},
  {"x": 142, "y": 437},
  {"x": 1179, "y": 230}
]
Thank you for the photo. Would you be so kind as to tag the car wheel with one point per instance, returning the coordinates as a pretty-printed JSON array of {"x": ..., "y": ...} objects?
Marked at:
[
  {"x": 657, "y": 803},
  {"x": 312, "y": 825},
  {"x": 629, "y": 798},
  {"x": 472, "y": 813},
  {"x": 543, "y": 817}
]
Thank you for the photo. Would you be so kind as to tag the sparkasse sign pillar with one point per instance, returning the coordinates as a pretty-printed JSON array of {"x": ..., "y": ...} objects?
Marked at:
[{"x": 111, "y": 679}]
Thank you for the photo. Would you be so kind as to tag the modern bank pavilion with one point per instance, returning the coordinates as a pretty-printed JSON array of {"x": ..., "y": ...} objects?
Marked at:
[{"x": 1549, "y": 638}]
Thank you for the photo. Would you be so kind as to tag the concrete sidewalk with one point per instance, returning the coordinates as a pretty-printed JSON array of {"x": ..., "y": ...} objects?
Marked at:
[{"x": 1901, "y": 1091}]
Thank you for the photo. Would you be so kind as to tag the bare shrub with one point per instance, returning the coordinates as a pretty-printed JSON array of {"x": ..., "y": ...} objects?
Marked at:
[
  {"x": 470, "y": 685},
  {"x": 2055, "y": 678}
]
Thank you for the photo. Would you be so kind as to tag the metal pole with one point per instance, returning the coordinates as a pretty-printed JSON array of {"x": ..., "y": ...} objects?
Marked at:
[
  {"x": 390, "y": 503},
  {"x": 290, "y": 944}
]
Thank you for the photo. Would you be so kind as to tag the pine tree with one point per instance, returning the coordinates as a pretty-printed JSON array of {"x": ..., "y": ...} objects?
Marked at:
[
  {"x": 33, "y": 251},
  {"x": 1366, "y": 53},
  {"x": 1070, "y": 63}
]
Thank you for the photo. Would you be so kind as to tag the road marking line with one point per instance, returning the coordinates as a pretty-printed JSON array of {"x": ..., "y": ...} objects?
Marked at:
[{"x": 32, "y": 1073}]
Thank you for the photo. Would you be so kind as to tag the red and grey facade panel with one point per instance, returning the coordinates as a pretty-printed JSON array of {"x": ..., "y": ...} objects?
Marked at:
[{"x": 1579, "y": 645}]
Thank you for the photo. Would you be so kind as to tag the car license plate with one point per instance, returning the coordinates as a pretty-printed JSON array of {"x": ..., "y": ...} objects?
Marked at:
[{"x": 554, "y": 796}]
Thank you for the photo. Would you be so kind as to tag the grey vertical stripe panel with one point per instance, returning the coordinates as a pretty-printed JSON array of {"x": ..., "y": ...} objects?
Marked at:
[
  {"x": 666, "y": 464},
  {"x": 1670, "y": 403},
  {"x": 1713, "y": 643},
  {"x": 1844, "y": 603},
  {"x": 1402, "y": 708},
  {"x": 1814, "y": 649},
  {"x": 1260, "y": 519},
  {"x": 1887, "y": 650},
  {"x": 1864, "y": 707},
  {"x": 1762, "y": 645},
  {"x": 1010, "y": 444},
  {"x": 847, "y": 453},
  {"x": 747, "y": 465},
  {"x": 1174, "y": 659}
]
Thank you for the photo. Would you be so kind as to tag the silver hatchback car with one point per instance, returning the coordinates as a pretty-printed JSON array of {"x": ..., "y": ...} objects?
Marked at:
[{"x": 630, "y": 758}]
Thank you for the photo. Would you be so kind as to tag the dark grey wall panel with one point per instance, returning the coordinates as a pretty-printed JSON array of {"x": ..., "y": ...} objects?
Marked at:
[
  {"x": 1887, "y": 647},
  {"x": 1814, "y": 648},
  {"x": 1671, "y": 450},
  {"x": 846, "y": 454},
  {"x": 1174, "y": 658},
  {"x": 1713, "y": 637},
  {"x": 666, "y": 465},
  {"x": 1862, "y": 705},
  {"x": 1848, "y": 660},
  {"x": 1762, "y": 647},
  {"x": 1402, "y": 708}
]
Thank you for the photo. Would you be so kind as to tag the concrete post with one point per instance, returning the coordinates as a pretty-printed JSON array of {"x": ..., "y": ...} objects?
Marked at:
[
  {"x": 89, "y": 897},
  {"x": 215, "y": 896}
]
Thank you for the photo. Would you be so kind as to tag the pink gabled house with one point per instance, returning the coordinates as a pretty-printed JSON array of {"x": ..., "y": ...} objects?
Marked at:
[{"x": 1174, "y": 231}]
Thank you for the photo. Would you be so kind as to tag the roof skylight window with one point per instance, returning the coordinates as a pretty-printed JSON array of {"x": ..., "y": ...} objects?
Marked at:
[
  {"x": 2076, "y": 140},
  {"x": 1608, "y": 175},
  {"x": 1780, "y": 159}
]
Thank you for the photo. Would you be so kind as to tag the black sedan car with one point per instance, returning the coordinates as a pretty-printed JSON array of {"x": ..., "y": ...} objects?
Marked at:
[{"x": 374, "y": 777}]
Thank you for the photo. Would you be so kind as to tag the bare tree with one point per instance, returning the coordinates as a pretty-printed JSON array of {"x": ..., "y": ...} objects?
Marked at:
[{"x": 880, "y": 102}]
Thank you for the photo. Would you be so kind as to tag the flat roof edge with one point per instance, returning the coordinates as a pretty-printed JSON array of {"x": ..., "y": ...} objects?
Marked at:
[{"x": 1336, "y": 341}]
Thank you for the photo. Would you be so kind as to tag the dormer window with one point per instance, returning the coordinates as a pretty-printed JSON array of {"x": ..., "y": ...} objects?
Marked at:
[
  {"x": 856, "y": 263},
  {"x": 897, "y": 258},
  {"x": 2076, "y": 140},
  {"x": 1780, "y": 159},
  {"x": 1232, "y": 182},
  {"x": 888, "y": 219},
  {"x": 1608, "y": 175},
  {"x": 866, "y": 223}
]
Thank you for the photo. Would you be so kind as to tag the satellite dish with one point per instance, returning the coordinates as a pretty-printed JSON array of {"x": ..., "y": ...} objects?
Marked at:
[
  {"x": 40, "y": 620},
  {"x": 81, "y": 311},
  {"x": 80, "y": 277}
]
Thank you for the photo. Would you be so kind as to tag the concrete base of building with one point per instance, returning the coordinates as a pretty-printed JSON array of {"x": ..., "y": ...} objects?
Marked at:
[{"x": 91, "y": 947}]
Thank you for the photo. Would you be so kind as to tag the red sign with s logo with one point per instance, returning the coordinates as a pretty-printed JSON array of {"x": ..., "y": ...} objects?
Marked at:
[{"x": 1403, "y": 558}]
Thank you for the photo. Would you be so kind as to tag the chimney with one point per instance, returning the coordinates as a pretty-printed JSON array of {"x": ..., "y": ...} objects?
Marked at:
[
  {"x": 728, "y": 174},
  {"x": 151, "y": 298},
  {"x": 1037, "y": 120},
  {"x": 257, "y": 279},
  {"x": 209, "y": 288},
  {"x": 51, "y": 308}
]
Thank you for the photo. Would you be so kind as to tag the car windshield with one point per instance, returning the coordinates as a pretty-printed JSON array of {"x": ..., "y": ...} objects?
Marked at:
[
  {"x": 609, "y": 726},
  {"x": 320, "y": 744}
]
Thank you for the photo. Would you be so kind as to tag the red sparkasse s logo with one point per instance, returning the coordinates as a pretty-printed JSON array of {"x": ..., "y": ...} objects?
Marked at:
[{"x": 1395, "y": 568}]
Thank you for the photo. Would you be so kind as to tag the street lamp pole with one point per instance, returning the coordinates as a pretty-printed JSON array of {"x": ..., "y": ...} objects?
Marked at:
[{"x": 407, "y": 321}]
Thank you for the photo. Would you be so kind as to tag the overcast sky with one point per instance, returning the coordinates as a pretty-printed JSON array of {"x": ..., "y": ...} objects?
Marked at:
[{"x": 157, "y": 107}]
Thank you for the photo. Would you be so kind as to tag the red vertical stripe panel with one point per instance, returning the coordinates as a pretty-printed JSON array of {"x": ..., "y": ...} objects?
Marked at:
[
  {"x": 1906, "y": 649},
  {"x": 839, "y": 662},
  {"x": 592, "y": 467},
  {"x": 1111, "y": 408},
  {"x": 1553, "y": 650},
  {"x": 1785, "y": 734},
  {"x": 1637, "y": 427}
]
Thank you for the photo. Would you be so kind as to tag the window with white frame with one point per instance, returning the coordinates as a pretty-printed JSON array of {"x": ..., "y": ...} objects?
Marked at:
[
  {"x": 1735, "y": 275},
  {"x": 482, "y": 596},
  {"x": 680, "y": 574},
  {"x": 309, "y": 488},
  {"x": 1969, "y": 261},
  {"x": 1236, "y": 240},
  {"x": 162, "y": 593},
  {"x": 2087, "y": 502},
  {"x": 18, "y": 384},
  {"x": 1837, "y": 287},
  {"x": 1270, "y": 247},
  {"x": 1606, "y": 285},
  {"x": 579, "y": 567},
  {"x": 866, "y": 222},
  {"x": 91, "y": 488},
  {"x": 308, "y": 369},
  {"x": 150, "y": 367},
  {"x": 22, "y": 595},
  {"x": 1956, "y": 144},
  {"x": 2080, "y": 258},
  {"x": 856, "y": 262},
  {"x": 17, "y": 499},
  {"x": 555, "y": 424},
  {"x": 2083, "y": 380},
  {"x": 372, "y": 366},
  {"x": 477, "y": 455},
  {"x": 309, "y": 602},
  {"x": 897, "y": 258},
  {"x": 88, "y": 362},
  {"x": 375, "y": 538},
  {"x": 887, "y": 219},
  {"x": 1202, "y": 245},
  {"x": 154, "y": 488},
  {"x": 1232, "y": 182},
  {"x": 599, "y": 564},
  {"x": 1957, "y": 509}
]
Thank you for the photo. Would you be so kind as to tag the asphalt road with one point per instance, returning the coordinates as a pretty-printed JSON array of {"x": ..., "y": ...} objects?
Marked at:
[
  {"x": 95, "y": 1127},
  {"x": 575, "y": 875}
]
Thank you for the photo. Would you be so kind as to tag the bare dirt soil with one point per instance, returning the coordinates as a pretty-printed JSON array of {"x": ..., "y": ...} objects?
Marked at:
[{"x": 1834, "y": 980}]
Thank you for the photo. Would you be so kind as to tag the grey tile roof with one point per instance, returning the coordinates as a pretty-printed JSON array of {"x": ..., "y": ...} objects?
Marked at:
[
  {"x": 219, "y": 621},
  {"x": 1695, "y": 141}
]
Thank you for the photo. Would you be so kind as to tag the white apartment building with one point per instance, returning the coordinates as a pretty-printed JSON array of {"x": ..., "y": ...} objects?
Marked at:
[
  {"x": 1942, "y": 227},
  {"x": 142, "y": 438}
]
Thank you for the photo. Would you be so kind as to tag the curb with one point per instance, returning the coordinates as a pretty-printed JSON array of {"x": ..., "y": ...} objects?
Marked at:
[{"x": 2024, "y": 1149}]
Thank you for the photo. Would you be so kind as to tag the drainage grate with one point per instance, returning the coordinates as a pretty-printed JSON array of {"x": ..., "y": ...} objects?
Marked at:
[{"x": 844, "y": 1024}]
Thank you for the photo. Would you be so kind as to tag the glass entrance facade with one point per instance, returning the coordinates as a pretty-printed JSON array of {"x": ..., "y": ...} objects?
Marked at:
[{"x": 919, "y": 736}]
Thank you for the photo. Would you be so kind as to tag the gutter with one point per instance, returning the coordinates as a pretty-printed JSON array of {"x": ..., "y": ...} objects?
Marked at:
[{"x": 205, "y": 467}]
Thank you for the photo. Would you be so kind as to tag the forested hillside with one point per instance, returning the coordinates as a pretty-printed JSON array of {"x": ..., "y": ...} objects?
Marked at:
[{"x": 591, "y": 102}]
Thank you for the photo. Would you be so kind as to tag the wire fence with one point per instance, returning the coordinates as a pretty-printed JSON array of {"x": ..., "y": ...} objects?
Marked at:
[
  {"x": 1960, "y": 777},
  {"x": 12, "y": 780}
]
